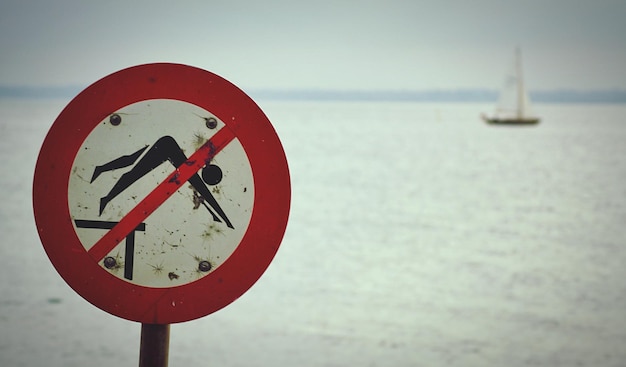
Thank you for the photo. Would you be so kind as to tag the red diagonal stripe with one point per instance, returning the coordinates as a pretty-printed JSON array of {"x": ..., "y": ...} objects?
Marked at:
[{"x": 161, "y": 193}]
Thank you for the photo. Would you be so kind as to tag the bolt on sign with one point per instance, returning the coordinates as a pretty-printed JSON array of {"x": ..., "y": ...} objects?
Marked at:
[{"x": 161, "y": 193}]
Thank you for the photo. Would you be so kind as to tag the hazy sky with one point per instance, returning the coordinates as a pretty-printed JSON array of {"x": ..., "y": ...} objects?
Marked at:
[{"x": 382, "y": 44}]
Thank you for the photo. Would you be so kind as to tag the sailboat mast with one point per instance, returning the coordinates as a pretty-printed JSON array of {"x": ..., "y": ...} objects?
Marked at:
[{"x": 520, "y": 84}]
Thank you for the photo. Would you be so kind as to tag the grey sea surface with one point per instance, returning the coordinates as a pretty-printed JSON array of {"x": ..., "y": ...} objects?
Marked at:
[{"x": 418, "y": 236}]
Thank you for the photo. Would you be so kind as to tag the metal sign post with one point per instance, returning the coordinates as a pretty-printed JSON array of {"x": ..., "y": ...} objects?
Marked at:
[{"x": 154, "y": 347}]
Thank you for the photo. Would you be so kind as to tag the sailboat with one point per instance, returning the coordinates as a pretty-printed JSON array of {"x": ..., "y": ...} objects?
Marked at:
[{"x": 514, "y": 104}]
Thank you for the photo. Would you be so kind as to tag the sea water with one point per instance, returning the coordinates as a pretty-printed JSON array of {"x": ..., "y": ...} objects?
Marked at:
[{"x": 418, "y": 236}]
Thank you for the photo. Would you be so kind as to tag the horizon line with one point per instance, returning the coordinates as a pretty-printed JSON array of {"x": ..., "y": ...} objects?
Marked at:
[{"x": 554, "y": 95}]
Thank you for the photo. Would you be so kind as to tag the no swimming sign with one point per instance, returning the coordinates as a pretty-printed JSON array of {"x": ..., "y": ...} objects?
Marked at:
[{"x": 161, "y": 193}]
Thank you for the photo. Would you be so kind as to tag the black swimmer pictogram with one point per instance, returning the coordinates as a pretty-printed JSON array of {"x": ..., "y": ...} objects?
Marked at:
[{"x": 164, "y": 149}]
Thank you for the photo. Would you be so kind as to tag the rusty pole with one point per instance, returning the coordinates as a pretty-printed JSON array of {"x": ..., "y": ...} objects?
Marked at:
[{"x": 154, "y": 346}]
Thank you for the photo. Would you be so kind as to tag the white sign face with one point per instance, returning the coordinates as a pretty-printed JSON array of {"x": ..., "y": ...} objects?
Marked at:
[{"x": 125, "y": 158}]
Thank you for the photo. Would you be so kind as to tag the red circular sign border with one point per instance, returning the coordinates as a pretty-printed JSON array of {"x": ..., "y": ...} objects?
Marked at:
[{"x": 270, "y": 209}]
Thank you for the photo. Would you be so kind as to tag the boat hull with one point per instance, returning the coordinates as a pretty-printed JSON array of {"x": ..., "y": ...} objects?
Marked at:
[{"x": 512, "y": 121}]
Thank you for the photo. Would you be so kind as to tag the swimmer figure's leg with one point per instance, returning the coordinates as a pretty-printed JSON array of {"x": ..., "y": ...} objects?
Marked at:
[{"x": 121, "y": 162}]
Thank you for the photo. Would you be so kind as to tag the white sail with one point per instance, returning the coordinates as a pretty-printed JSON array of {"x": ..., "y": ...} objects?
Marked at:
[{"x": 514, "y": 103}]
